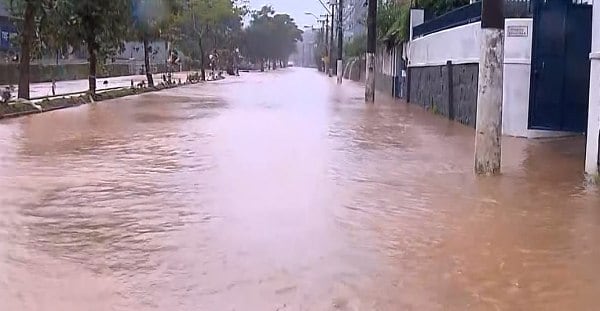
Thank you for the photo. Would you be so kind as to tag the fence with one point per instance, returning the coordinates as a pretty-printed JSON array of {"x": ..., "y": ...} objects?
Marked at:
[{"x": 470, "y": 14}]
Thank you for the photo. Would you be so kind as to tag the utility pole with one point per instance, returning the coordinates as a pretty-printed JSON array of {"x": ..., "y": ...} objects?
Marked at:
[
  {"x": 325, "y": 28},
  {"x": 340, "y": 61},
  {"x": 488, "y": 133},
  {"x": 330, "y": 54},
  {"x": 371, "y": 47}
]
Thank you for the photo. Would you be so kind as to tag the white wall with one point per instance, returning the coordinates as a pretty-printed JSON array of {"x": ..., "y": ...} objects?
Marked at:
[
  {"x": 591, "y": 162},
  {"x": 517, "y": 78},
  {"x": 461, "y": 46},
  {"x": 386, "y": 61}
]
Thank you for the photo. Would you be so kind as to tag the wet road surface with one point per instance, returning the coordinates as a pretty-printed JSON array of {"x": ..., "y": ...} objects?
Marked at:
[{"x": 281, "y": 191}]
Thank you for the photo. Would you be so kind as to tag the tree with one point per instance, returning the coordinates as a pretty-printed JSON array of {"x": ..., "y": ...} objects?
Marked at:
[
  {"x": 393, "y": 17},
  {"x": 285, "y": 36},
  {"x": 146, "y": 20},
  {"x": 204, "y": 21},
  {"x": 256, "y": 36},
  {"x": 270, "y": 36},
  {"x": 101, "y": 24},
  {"x": 393, "y": 22},
  {"x": 27, "y": 37},
  {"x": 30, "y": 11},
  {"x": 440, "y": 7}
]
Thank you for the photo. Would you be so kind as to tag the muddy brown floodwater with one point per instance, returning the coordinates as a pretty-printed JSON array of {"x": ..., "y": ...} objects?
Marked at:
[{"x": 282, "y": 191}]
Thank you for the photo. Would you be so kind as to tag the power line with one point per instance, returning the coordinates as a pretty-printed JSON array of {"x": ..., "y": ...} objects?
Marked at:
[{"x": 325, "y": 6}]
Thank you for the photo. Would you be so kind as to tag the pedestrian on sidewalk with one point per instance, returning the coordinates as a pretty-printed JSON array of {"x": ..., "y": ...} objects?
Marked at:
[
  {"x": 53, "y": 87},
  {"x": 6, "y": 94}
]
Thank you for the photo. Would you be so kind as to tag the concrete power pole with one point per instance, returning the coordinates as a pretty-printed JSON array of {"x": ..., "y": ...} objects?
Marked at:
[
  {"x": 340, "y": 61},
  {"x": 330, "y": 54},
  {"x": 488, "y": 134},
  {"x": 325, "y": 28},
  {"x": 371, "y": 47}
]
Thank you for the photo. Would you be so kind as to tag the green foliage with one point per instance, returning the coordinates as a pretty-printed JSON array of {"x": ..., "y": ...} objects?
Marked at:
[
  {"x": 270, "y": 36},
  {"x": 147, "y": 19},
  {"x": 393, "y": 23},
  {"x": 42, "y": 36},
  {"x": 206, "y": 25},
  {"x": 356, "y": 47},
  {"x": 101, "y": 24},
  {"x": 440, "y": 7},
  {"x": 393, "y": 17}
]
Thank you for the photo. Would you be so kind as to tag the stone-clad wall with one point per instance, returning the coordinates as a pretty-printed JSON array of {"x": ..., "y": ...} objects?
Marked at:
[{"x": 450, "y": 90}]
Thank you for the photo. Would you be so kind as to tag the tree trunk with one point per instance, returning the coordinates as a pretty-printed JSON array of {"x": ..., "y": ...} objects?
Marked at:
[
  {"x": 262, "y": 65},
  {"x": 147, "y": 63},
  {"x": 167, "y": 52},
  {"x": 27, "y": 39},
  {"x": 202, "y": 71},
  {"x": 93, "y": 59}
]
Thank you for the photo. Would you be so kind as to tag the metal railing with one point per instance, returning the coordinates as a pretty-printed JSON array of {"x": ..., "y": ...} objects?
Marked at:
[{"x": 470, "y": 14}]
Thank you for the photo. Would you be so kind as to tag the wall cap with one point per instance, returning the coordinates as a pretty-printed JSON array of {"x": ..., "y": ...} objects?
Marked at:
[{"x": 517, "y": 61}]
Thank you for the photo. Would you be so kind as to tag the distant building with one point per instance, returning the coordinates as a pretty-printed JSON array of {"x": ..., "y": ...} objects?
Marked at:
[
  {"x": 133, "y": 54},
  {"x": 7, "y": 29},
  {"x": 3, "y": 10},
  {"x": 355, "y": 18}
]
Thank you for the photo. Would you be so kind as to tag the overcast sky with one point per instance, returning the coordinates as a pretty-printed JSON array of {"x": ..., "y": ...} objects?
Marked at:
[{"x": 295, "y": 8}]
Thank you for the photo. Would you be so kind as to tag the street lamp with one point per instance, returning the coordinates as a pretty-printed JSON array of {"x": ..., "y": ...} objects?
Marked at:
[
  {"x": 328, "y": 39},
  {"x": 311, "y": 13}
]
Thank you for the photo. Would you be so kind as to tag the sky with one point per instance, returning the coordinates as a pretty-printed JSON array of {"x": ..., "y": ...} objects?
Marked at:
[{"x": 294, "y": 8}]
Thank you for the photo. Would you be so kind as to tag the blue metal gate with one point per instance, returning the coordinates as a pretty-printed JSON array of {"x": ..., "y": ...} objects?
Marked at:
[{"x": 560, "y": 75}]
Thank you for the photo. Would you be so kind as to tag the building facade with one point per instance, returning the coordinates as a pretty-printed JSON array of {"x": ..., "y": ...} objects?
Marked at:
[
  {"x": 7, "y": 30},
  {"x": 355, "y": 18}
]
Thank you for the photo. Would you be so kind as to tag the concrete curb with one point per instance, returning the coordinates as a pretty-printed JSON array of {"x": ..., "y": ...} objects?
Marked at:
[{"x": 82, "y": 99}]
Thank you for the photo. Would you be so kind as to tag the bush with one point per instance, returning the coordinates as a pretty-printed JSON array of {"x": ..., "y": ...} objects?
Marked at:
[{"x": 356, "y": 47}]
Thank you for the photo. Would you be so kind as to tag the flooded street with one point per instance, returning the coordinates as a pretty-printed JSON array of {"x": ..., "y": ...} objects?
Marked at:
[{"x": 283, "y": 191}]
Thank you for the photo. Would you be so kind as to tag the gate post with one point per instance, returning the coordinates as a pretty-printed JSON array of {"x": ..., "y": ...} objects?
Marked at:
[
  {"x": 593, "y": 132},
  {"x": 488, "y": 132}
]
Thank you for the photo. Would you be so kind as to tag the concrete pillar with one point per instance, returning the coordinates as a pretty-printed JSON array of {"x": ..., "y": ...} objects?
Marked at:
[
  {"x": 593, "y": 131},
  {"x": 488, "y": 132},
  {"x": 340, "y": 71},
  {"x": 340, "y": 62},
  {"x": 371, "y": 49},
  {"x": 417, "y": 17},
  {"x": 370, "y": 78}
]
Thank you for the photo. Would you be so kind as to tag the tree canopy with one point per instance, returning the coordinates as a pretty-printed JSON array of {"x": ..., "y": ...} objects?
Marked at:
[
  {"x": 207, "y": 25},
  {"x": 195, "y": 27},
  {"x": 271, "y": 36}
]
